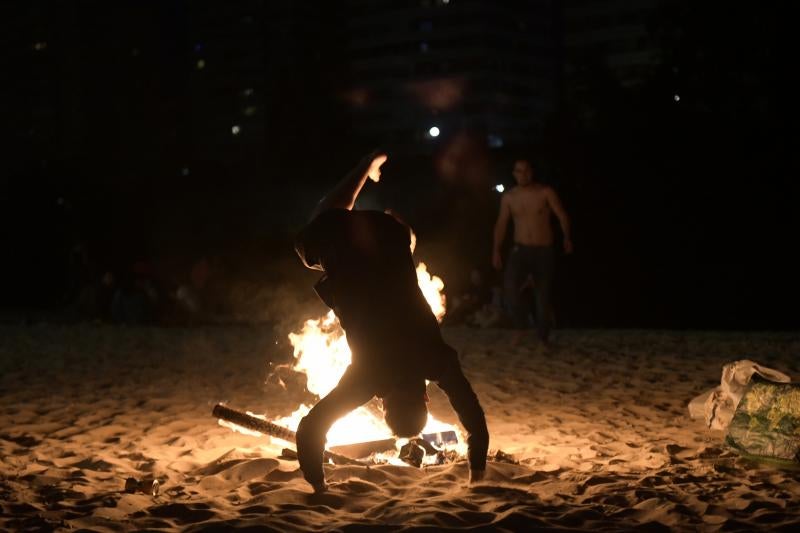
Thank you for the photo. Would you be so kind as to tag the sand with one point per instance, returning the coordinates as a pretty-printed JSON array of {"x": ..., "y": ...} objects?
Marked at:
[{"x": 599, "y": 425}]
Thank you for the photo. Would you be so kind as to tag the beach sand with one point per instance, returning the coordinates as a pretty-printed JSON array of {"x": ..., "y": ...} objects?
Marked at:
[{"x": 599, "y": 426}]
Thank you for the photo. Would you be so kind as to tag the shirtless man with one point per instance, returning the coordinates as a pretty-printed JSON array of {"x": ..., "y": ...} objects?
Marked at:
[
  {"x": 531, "y": 206},
  {"x": 369, "y": 280}
]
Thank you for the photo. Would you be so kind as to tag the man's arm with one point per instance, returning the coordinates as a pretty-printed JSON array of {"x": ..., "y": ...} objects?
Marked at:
[
  {"x": 500, "y": 230},
  {"x": 563, "y": 218},
  {"x": 345, "y": 193},
  {"x": 466, "y": 405}
]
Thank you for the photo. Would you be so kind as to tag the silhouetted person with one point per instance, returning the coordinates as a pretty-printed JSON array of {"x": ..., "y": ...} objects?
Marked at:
[
  {"x": 80, "y": 272},
  {"x": 370, "y": 282},
  {"x": 531, "y": 205},
  {"x": 136, "y": 298},
  {"x": 471, "y": 300}
]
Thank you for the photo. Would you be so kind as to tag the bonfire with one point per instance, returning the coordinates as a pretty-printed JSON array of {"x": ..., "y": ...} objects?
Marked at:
[{"x": 321, "y": 353}]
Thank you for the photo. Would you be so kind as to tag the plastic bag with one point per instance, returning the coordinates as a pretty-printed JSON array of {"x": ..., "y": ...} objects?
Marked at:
[
  {"x": 766, "y": 425},
  {"x": 718, "y": 405}
]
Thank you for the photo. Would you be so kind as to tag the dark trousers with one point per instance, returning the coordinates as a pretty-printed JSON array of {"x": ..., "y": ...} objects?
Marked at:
[{"x": 538, "y": 263}]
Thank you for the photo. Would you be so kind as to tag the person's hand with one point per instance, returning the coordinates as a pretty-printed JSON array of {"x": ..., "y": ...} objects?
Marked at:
[
  {"x": 567, "y": 246},
  {"x": 497, "y": 260},
  {"x": 374, "y": 162}
]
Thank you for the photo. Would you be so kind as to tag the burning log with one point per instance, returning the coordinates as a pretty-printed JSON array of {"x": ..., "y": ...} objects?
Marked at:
[
  {"x": 268, "y": 428},
  {"x": 251, "y": 422},
  {"x": 364, "y": 449},
  {"x": 413, "y": 453}
]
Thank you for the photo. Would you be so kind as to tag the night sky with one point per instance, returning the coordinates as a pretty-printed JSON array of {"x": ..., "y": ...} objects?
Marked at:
[{"x": 164, "y": 132}]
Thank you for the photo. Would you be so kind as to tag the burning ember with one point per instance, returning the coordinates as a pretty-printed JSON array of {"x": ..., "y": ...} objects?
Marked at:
[{"x": 322, "y": 353}]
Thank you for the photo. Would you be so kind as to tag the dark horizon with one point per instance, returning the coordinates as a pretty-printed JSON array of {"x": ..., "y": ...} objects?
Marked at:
[{"x": 166, "y": 132}]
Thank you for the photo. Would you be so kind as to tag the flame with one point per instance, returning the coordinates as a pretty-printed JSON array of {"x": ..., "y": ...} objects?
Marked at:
[
  {"x": 322, "y": 353},
  {"x": 431, "y": 287}
]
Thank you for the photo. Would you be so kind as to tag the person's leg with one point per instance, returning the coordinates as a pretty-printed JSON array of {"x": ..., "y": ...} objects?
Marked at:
[
  {"x": 544, "y": 271},
  {"x": 351, "y": 392},
  {"x": 515, "y": 275}
]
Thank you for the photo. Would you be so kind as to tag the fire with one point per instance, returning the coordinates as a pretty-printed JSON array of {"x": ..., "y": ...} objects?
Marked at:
[
  {"x": 322, "y": 353},
  {"x": 431, "y": 287}
]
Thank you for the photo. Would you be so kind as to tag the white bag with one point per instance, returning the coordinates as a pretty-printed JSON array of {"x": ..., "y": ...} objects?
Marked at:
[{"x": 717, "y": 405}]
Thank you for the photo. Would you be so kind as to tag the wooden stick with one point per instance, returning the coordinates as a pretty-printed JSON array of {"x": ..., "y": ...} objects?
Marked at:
[{"x": 268, "y": 428}]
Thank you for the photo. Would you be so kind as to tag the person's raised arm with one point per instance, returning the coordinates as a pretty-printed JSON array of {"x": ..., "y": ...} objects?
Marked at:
[
  {"x": 345, "y": 193},
  {"x": 563, "y": 218},
  {"x": 500, "y": 231}
]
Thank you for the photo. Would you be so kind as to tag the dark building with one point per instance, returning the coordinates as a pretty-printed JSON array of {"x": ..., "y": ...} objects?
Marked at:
[
  {"x": 608, "y": 41},
  {"x": 223, "y": 110},
  {"x": 256, "y": 75},
  {"x": 428, "y": 68}
]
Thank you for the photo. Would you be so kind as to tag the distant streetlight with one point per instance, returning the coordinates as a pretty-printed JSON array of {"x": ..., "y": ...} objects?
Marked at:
[
  {"x": 235, "y": 130},
  {"x": 434, "y": 131},
  {"x": 677, "y": 98},
  {"x": 499, "y": 188}
]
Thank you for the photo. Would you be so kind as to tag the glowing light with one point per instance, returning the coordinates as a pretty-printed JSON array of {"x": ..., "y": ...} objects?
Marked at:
[
  {"x": 677, "y": 98},
  {"x": 201, "y": 64},
  {"x": 248, "y": 92},
  {"x": 185, "y": 171},
  {"x": 499, "y": 188},
  {"x": 434, "y": 131},
  {"x": 235, "y": 130},
  {"x": 250, "y": 110},
  {"x": 39, "y": 46}
]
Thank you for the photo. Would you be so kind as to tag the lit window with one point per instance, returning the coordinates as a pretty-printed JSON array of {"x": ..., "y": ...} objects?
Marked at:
[
  {"x": 235, "y": 130},
  {"x": 201, "y": 64}
]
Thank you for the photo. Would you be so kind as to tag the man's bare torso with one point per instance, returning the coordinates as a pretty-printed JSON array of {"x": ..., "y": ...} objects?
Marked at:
[{"x": 531, "y": 212}]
